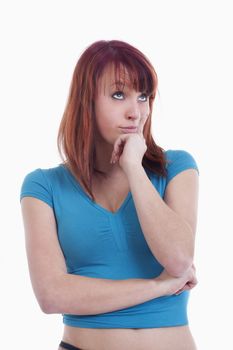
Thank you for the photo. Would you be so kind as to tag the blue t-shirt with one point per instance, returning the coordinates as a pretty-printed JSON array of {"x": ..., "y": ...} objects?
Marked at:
[{"x": 101, "y": 244}]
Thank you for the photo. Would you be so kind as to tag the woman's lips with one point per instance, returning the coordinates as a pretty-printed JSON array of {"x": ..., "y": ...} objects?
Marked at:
[{"x": 129, "y": 130}]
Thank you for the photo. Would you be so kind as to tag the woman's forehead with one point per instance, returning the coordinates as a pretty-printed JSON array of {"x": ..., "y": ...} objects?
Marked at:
[{"x": 115, "y": 78}]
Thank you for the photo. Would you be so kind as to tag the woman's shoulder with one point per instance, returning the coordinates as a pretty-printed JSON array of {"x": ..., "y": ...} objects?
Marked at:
[
  {"x": 42, "y": 172},
  {"x": 39, "y": 183},
  {"x": 179, "y": 160},
  {"x": 173, "y": 154}
]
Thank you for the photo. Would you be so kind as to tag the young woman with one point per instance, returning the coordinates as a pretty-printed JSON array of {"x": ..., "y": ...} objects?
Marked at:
[{"x": 110, "y": 231}]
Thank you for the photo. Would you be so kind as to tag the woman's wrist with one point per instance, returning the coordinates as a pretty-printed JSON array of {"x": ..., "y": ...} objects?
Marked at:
[{"x": 161, "y": 287}]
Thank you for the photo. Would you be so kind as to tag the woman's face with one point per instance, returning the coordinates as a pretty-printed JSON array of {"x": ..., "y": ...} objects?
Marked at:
[{"x": 116, "y": 108}]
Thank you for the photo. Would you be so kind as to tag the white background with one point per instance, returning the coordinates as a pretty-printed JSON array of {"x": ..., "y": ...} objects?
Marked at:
[{"x": 190, "y": 45}]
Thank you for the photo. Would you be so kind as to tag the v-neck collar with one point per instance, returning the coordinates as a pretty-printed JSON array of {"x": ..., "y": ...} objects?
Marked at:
[{"x": 95, "y": 204}]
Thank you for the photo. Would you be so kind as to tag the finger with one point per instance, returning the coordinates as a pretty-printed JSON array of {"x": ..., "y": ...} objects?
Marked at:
[
  {"x": 120, "y": 147},
  {"x": 182, "y": 289},
  {"x": 193, "y": 283},
  {"x": 117, "y": 148},
  {"x": 179, "y": 291},
  {"x": 118, "y": 142}
]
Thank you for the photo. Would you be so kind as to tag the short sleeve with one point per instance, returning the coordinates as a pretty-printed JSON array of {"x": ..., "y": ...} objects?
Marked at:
[
  {"x": 35, "y": 184},
  {"x": 179, "y": 160}
]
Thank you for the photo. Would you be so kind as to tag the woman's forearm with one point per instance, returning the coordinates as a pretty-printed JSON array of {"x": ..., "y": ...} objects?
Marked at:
[
  {"x": 74, "y": 294},
  {"x": 169, "y": 237}
]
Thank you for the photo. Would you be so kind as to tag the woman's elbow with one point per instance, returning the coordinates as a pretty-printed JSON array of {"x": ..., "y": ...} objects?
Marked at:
[
  {"x": 48, "y": 299},
  {"x": 178, "y": 268},
  {"x": 47, "y": 304}
]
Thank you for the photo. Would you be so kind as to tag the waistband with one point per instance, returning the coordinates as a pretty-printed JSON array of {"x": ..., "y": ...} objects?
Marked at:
[{"x": 67, "y": 346}]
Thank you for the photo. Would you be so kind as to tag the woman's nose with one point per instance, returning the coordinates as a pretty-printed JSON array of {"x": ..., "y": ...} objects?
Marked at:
[{"x": 133, "y": 112}]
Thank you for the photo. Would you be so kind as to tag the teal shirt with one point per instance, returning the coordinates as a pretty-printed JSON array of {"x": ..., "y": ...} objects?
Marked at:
[{"x": 101, "y": 244}]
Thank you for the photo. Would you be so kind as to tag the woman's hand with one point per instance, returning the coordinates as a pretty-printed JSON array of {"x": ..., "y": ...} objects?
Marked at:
[
  {"x": 129, "y": 149},
  {"x": 190, "y": 284},
  {"x": 176, "y": 285}
]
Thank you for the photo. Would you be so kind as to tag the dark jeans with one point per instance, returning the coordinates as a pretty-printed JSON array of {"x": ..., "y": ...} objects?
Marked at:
[{"x": 68, "y": 346}]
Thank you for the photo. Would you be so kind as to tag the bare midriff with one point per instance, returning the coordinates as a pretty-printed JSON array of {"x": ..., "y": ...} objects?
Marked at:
[{"x": 166, "y": 338}]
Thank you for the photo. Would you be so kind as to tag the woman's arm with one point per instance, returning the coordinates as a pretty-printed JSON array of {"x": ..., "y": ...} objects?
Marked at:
[
  {"x": 168, "y": 225},
  {"x": 60, "y": 292}
]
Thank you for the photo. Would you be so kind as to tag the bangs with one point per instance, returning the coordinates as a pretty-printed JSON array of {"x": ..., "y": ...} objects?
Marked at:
[{"x": 133, "y": 74}]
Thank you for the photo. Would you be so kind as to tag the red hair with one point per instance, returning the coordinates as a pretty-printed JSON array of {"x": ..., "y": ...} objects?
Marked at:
[{"x": 76, "y": 131}]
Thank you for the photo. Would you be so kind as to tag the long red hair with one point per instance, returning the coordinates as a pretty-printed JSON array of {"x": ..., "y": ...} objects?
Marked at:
[{"x": 76, "y": 131}]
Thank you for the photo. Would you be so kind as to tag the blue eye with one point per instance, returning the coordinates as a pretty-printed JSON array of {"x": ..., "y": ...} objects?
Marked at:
[
  {"x": 145, "y": 96},
  {"x": 117, "y": 93},
  {"x": 121, "y": 93}
]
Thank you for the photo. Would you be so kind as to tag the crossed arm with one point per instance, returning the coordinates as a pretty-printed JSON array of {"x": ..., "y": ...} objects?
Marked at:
[{"x": 168, "y": 224}]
